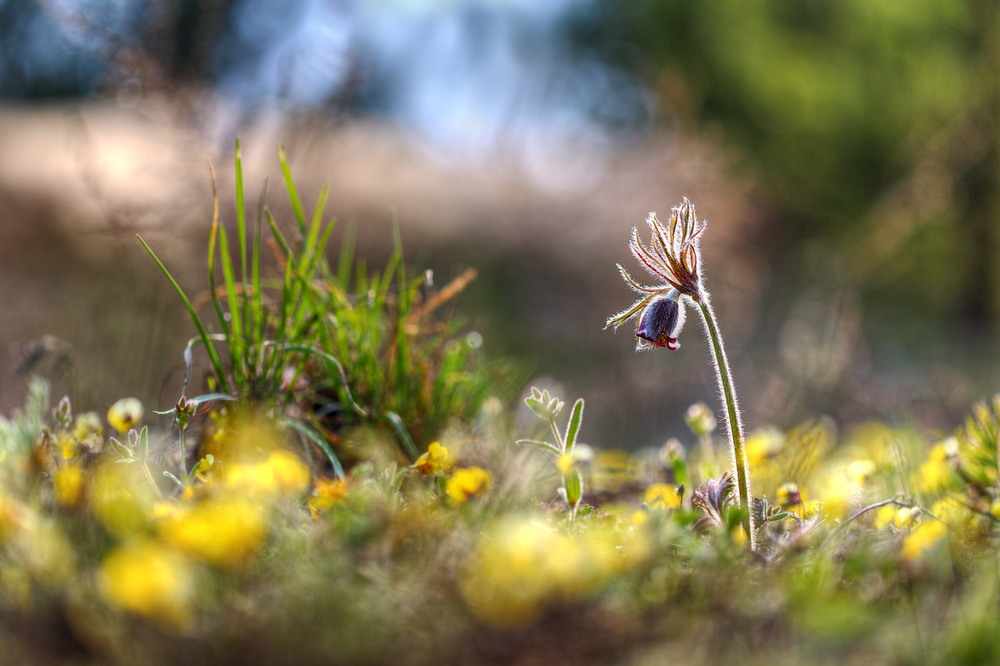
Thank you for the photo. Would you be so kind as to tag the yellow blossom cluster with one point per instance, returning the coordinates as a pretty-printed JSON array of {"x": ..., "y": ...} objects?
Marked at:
[
  {"x": 523, "y": 564},
  {"x": 461, "y": 484}
]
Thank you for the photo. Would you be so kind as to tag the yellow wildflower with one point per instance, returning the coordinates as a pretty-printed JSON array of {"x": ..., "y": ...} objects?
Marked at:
[
  {"x": 69, "y": 448},
  {"x": 327, "y": 493},
  {"x": 861, "y": 471},
  {"x": 637, "y": 518},
  {"x": 120, "y": 498},
  {"x": 290, "y": 474},
  {"x": 935, "y": 475},
  {"x": 995, "y": 508},
  {"x": 435, "y": 460},
  {"x": 581, "y": 457},
  {"x": 146, "y": 578},
  {"x": 281, "y": 472},
  {"x": 661, "y": 496},
  {"x": 763, "y": 444},
  {"x": 923, "y": 539},
  {"x": 896, "y": 517},
  {"x": 522, "y": 565},
  {"x": 788, "y": 494},
  {"x": 67, "y": 482},
  {"x": 48, "y": 554},
  {"x": 125, "y": 414},
  {"x": 222, "y": 532},
  {"x": 13, "y": 515},
  {"x": 87, "y": 425},
  {"x": 885, "y": 516},
  {"x": 468, "y": 482}
]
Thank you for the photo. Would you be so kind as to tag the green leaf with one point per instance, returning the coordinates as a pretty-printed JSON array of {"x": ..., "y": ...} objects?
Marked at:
[
  {"x": 574, "y": 489},
  {"x": 144, "y": 443},
  {"x": 573, "y": 427},
  {"x": 543, "y": 446},
  {"x": 173, "y": 478}
]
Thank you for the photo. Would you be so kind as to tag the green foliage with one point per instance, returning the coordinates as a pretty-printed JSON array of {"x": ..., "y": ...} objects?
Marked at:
[
  {"x": 336, "y": 346},
  {"x": 571, "y": 460},
  {"x": 828, "y": 99},
  {"x": 978, "y": 442},
  {"x": 19, "y": 432}
]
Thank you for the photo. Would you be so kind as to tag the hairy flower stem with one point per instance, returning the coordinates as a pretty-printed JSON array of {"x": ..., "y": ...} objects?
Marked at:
[
  {"x": 182, "y": 445},
  {"x": 732, "y": 414}
]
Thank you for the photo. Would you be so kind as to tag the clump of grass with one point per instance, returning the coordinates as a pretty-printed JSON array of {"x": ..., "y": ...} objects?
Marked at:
[{"x": 324, "y": 346}]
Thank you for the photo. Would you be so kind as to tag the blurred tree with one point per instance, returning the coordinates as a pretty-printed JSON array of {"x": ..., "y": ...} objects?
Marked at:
[{"x": 871, "y": 124}]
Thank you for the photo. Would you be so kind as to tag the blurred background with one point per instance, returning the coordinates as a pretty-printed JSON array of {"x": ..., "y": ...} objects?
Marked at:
[{"x": 844, "y": 152}]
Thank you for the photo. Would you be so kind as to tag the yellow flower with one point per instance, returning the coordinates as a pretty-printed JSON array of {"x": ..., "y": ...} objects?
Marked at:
[
  {"x": 120, "y": 498},
  {"x": 788, "y": 494},
  {"x": 87, "y": 424},
  {"x": 935, "y": 474},
  {"x": 522, "y": 565},
  {"x": 48, "y": 554},
  {"x": 923, "y": 539},
  {"x": 146, "y": 578},
  {"x": 896, "y": 517},
  {"x": 327, "y": 493},
  {"x": 125, "y": 414},
  {"x": 860, "y": 471},
  {"x": 885, "y": 516},
  {"x": 290, "y": 474},
  {"x": 221, "y": 532},
  {"x": 435, "y": 460},
  {"x": 68, "y": 447},
  {"x": 468, "y": 482},
  {"x": 764, "y": 444},
  {"x": 13, "y": 515},
  {"x": 67, "y": 482},
  {"x": 662, "y": 496},
  {"x": 995, "y": 508},
  {"x": 281, "y": 472}
]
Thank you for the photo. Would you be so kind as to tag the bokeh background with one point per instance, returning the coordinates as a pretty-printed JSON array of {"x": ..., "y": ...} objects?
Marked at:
[{"x": 844, "y": 152}]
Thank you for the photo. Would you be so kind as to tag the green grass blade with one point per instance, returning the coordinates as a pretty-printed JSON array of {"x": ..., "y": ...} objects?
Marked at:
[
  {"x": 213, "y": 354},
  {"x": 286, "y": 249},
  {"x": 237, "y": 341},
  {"x": 241, "y": 213},
  {"x": 243, "y": 312},
  {"x": 212, "y": 242},
  {"x": 256, "y": 302},
  {"x": 293, "y": 193},
  {"x": 346, "y": 258},
  {"x": 319, "y": 441},
  {"x": 397, "y": 425}
]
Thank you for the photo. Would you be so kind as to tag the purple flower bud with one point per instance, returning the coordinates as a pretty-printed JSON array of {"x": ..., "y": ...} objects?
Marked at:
[{"x": 660, "y": 322}]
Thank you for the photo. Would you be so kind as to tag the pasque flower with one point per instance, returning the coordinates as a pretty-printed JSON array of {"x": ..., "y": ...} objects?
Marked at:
[{"x": 672, "y": 257}]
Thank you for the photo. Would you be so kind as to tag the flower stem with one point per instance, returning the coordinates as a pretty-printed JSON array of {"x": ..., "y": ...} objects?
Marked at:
[
  {"x": 732, "y": 414},
  {"x": 182, "y": 445}
]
